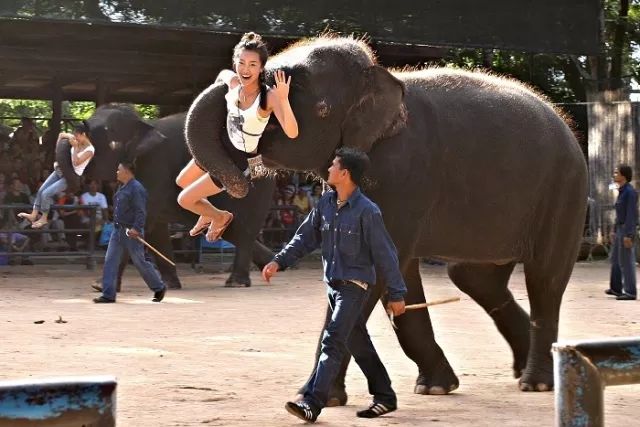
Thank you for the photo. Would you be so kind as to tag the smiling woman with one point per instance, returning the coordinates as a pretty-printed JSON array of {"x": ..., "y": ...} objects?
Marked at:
[{"x": 249, "y": 103}]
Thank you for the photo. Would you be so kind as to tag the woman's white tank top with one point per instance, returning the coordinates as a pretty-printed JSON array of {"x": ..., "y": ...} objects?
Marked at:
[
  {"x": 244, "y": 127},
  {"x": 79, "y": 169}
]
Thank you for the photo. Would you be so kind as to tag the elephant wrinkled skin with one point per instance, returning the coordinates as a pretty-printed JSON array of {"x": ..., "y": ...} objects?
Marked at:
[{"x": 472, "y": 169}]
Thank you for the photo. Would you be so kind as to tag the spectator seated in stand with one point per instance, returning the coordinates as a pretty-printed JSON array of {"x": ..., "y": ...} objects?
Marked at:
[
  {"x": 302, "y": 201},
  {"x": 70, "y": 218},
  {"x": 13, "y": 243},
  {"x": 94, "y": 197},
  {"x": 15, "y": 195},
  {"x": 288, "y": 213}
]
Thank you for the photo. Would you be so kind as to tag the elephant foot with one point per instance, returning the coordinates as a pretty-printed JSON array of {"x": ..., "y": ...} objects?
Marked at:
[
  {"x": 439, "y": 381},
  {"x": 233, "y": 282},
  {"x": 335, "y": 399},
  {"x": 541, "y": 380},
  {"x": 519, "y": 365}
]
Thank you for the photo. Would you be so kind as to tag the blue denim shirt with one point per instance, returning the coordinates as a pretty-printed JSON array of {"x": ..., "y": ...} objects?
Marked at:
[
  {"x": 354, "y": 241},
  {"x": 130, "y": 205},
  {"x": 627, "y": 210}
]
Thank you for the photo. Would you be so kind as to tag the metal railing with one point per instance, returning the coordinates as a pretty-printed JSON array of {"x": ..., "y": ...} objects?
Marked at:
[
  {"x": 9, "y": 211},
  {"x": 582, "y": 370},
  {"x": 49, "y": 402},
  {"x": 268, "y": 234}
]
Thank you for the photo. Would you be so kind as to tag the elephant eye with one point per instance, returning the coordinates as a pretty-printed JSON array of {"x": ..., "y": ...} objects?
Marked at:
[{"x": 323, "y": 109}]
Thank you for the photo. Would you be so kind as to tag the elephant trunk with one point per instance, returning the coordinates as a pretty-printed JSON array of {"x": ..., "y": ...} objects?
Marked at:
[
  {"x": 204, "y": 129},
  {"x": 63, "y": 157}
]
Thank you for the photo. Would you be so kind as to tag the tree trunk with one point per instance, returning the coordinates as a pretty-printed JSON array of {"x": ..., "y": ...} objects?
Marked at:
[{"x": 612, "y": 141}]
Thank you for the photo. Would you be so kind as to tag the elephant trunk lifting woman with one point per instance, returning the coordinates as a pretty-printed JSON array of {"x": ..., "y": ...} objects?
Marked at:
[
  {"x": 160, "y": 152},
  {"x": 475, "y": 170}
]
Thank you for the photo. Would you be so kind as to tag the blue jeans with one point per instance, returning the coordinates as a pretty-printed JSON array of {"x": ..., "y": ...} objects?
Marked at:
[
  {"x": 347, "y": 332},
  {"x": 623, "y": 267},
  {"x": 118, "y": 242},
  {"x": 53, "y": 185}
]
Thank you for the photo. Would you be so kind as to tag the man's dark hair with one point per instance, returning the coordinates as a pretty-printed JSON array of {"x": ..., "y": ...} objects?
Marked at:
[
  {"x": 130, "y": 166},
  {"x": 625, "y": 170},
  {"x": 355, "y": 161}
]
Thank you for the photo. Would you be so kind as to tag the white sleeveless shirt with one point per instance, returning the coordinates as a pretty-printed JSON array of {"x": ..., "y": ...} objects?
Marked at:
[
  {"x": 244, "y": 127},
  {"x": 79, "y": 169}
]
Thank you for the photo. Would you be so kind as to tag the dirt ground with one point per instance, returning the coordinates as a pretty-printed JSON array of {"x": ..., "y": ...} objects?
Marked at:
[{"x": 216, "y": 356}]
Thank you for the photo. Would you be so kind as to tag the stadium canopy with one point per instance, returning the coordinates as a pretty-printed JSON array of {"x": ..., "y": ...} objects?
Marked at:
[{"x": 166, "y": 51}]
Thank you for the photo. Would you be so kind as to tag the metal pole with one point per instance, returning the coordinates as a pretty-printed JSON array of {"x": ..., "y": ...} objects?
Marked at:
[
  {"x": 54, "y": 402},
  {"x": 583, "y": 369}
]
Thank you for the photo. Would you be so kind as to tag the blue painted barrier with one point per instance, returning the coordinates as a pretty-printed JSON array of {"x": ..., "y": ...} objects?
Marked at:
[
  {"x": 58, "y": 402},
  {"x": 582, "y": 369}
]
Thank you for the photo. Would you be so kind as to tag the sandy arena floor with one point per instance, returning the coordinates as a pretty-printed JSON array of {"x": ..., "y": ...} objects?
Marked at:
[{"x": 214, "y": 356}]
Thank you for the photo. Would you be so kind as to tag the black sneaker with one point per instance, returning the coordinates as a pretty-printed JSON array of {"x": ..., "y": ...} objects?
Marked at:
[
  {"x": 375, "y": 410},
  {"x": 612, "y": 292},
  {"x": 302, "y": 410},
  {"x": 159, "y": 296},
  {"x": 626, "y": 297},
  {"x": 103, "y": 300}
]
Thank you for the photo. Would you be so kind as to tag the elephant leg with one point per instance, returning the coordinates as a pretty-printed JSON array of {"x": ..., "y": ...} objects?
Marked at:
[
  {"x": 415, "y": 335},
  {"x": 545, "y": 286},
  {"x": 487, "y": 284},
  {"x": 157, "y": 235},
  {"x": 239, "y": 276},
  {"x": 261, "y": 254},
  {"x": 547, "y": 272}
]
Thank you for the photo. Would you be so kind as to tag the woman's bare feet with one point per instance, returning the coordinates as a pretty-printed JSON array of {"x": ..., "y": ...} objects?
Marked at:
[
  {"x": 40, "y": 223},
  {"x": 201, "y": 225},
  {"x": 216, "y": 231},
  {"x": 29, "y": 217}
]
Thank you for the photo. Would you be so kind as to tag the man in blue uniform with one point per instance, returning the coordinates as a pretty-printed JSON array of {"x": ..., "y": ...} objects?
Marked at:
[
  {"x": 129, "y": 216},
  {"x": 349, "y": 229},
  {"x": 623, "y": 259}
]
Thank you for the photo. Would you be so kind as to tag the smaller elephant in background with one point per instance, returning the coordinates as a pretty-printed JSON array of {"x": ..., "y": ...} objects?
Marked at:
[{"x": 159, "y": 150}]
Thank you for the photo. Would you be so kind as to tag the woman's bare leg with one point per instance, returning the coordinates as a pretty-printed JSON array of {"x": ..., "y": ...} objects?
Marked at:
[
  {"x": 194, "y": 198},
  {"x": 187, "y": 176}
]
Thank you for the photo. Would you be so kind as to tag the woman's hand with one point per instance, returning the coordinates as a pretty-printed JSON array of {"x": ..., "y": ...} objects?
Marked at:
[
  {"x": 279, "y": 104},
  {"x": 281, "y": 88}
]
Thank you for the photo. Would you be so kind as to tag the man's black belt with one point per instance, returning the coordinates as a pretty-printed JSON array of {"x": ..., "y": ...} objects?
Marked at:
[{"x": 119, "y": 225}]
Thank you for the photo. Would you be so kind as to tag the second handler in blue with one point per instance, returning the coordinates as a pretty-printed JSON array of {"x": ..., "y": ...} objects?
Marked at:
[
  {"x": 129, "y": 216},
  {"x": 354, "y": 241}
]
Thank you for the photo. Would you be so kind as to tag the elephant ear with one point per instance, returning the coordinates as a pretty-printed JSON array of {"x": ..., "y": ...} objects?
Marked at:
[
  {"x": 63, "y": 157},
  {"x": 147, "y": 139},
  {"x": 376, "y": 112}
]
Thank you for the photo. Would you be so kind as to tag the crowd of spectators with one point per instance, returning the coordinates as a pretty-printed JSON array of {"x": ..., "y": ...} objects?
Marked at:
[
  {"x": 293, "y": 198},
  {"x": 26, "y": 159},
  {"x": 27, "y": 156}
]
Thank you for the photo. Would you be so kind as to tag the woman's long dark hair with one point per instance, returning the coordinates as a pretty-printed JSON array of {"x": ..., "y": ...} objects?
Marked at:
[{"x": 252, "y": 41}]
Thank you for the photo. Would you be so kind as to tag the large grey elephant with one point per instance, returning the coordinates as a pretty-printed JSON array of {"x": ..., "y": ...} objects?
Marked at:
[
  {"x": 472, "y": 169},
  {"x": 160, "y": 151}
]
